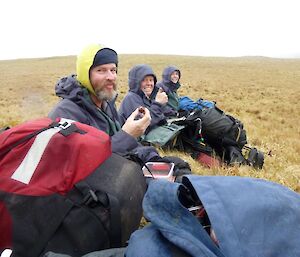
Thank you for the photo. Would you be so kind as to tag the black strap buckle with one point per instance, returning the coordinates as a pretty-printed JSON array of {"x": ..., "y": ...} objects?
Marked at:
[
  {"x": 90, "y": 199},
  {"x": 93, "y": 199},
  {"x": 64, "y": 124}
]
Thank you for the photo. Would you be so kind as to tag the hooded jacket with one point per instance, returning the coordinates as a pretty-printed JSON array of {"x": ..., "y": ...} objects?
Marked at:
[
  {"x": 170, "y": 87},
  {"x": 251, "y": 218},
  {"x": 76, "y": 104},
  {"x": 136, "y": 97}
]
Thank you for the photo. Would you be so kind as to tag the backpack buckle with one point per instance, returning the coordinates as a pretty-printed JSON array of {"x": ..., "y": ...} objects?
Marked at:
[
  {"x": 91, "y": 199},
  {"x": 64, "y": 124},
  {"x": 96, "y": 198}
]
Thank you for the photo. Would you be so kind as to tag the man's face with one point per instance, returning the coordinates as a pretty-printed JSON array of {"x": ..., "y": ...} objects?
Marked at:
[
  {"x": 103, "y": 79},
  {"x": 147, "y": 85},
  {"x": 175, "y": 76}
]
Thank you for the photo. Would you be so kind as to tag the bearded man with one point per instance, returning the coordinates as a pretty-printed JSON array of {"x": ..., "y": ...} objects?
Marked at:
[{"x": 89, "y": 97}]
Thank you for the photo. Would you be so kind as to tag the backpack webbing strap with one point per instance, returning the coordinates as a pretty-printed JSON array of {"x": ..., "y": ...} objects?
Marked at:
[
  {"x": 96, "y": 200},
  {"x": 227, "y": 140},
  {"x": 115, "y": 232}
]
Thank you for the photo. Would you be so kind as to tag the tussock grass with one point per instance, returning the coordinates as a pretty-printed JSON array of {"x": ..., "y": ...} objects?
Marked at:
[{"x": 264, "y": 93}]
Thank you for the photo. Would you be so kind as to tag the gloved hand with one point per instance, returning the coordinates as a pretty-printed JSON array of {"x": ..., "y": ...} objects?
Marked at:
[{"x": 181, "y": 167}]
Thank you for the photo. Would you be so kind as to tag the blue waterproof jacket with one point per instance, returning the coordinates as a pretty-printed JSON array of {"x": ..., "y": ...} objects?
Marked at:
[
  {"x": 77, "y": 105},
  {"x": 136, "y": 98},
  {"x": 251, "y": 218}
]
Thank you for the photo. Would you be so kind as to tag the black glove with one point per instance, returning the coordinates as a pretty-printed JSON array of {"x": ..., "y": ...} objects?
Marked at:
[{"x": 181, "y": 167}]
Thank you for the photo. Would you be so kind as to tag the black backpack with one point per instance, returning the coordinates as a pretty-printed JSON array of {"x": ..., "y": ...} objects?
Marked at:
[
  {"x": 213, "y": 127},
  {"x": 221, "y": 129},
  {"x": 190, "y": 139},
  {"x": 210, "y": 130}
]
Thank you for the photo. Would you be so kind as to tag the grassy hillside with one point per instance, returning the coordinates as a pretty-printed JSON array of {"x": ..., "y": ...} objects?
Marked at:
[{"x": 264, "y": 93}]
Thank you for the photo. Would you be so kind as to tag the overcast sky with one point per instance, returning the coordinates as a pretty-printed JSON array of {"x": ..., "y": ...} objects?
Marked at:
[{"x": 40, "y": 28}]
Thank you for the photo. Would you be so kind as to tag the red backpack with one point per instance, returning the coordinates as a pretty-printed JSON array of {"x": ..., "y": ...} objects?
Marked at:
[{"x": 63, "y": 190}]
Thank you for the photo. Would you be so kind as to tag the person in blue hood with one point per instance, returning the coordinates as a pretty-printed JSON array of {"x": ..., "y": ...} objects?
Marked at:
[
  {"x": 170, "y": 84},
  {"x": 143, "y": 92},
  {"x": 89, "y": 97}
]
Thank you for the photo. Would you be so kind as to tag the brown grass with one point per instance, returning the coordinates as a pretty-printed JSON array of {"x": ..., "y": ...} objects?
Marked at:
[{"x": 264, "y": 93}]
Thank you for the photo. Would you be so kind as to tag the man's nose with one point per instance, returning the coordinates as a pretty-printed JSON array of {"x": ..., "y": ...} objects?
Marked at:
[{"x": 110, "y": 75}]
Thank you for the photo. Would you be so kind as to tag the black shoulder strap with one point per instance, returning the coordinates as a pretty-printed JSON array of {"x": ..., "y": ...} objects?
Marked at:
[{"x": 95, "y": 198}]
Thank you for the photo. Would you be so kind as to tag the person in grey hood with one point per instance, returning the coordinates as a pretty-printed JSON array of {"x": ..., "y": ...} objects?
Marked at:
[
  {"x": 89, "y": 97},
  {"x": 170, "y": 84},
  {"x": 143, "y": 92}
]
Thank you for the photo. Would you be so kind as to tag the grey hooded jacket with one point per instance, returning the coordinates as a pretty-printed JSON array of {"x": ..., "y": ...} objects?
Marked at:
[
  {"x": 76, "y": 104},
  {"x": 136, "y": 98}
]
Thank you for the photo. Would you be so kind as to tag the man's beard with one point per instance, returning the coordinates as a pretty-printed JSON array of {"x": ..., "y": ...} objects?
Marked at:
[{"x": 104, "y": 95}]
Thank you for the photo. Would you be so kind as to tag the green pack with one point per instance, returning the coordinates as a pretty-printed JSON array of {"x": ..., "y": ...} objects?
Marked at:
[{"x": 162, "y": 136}]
